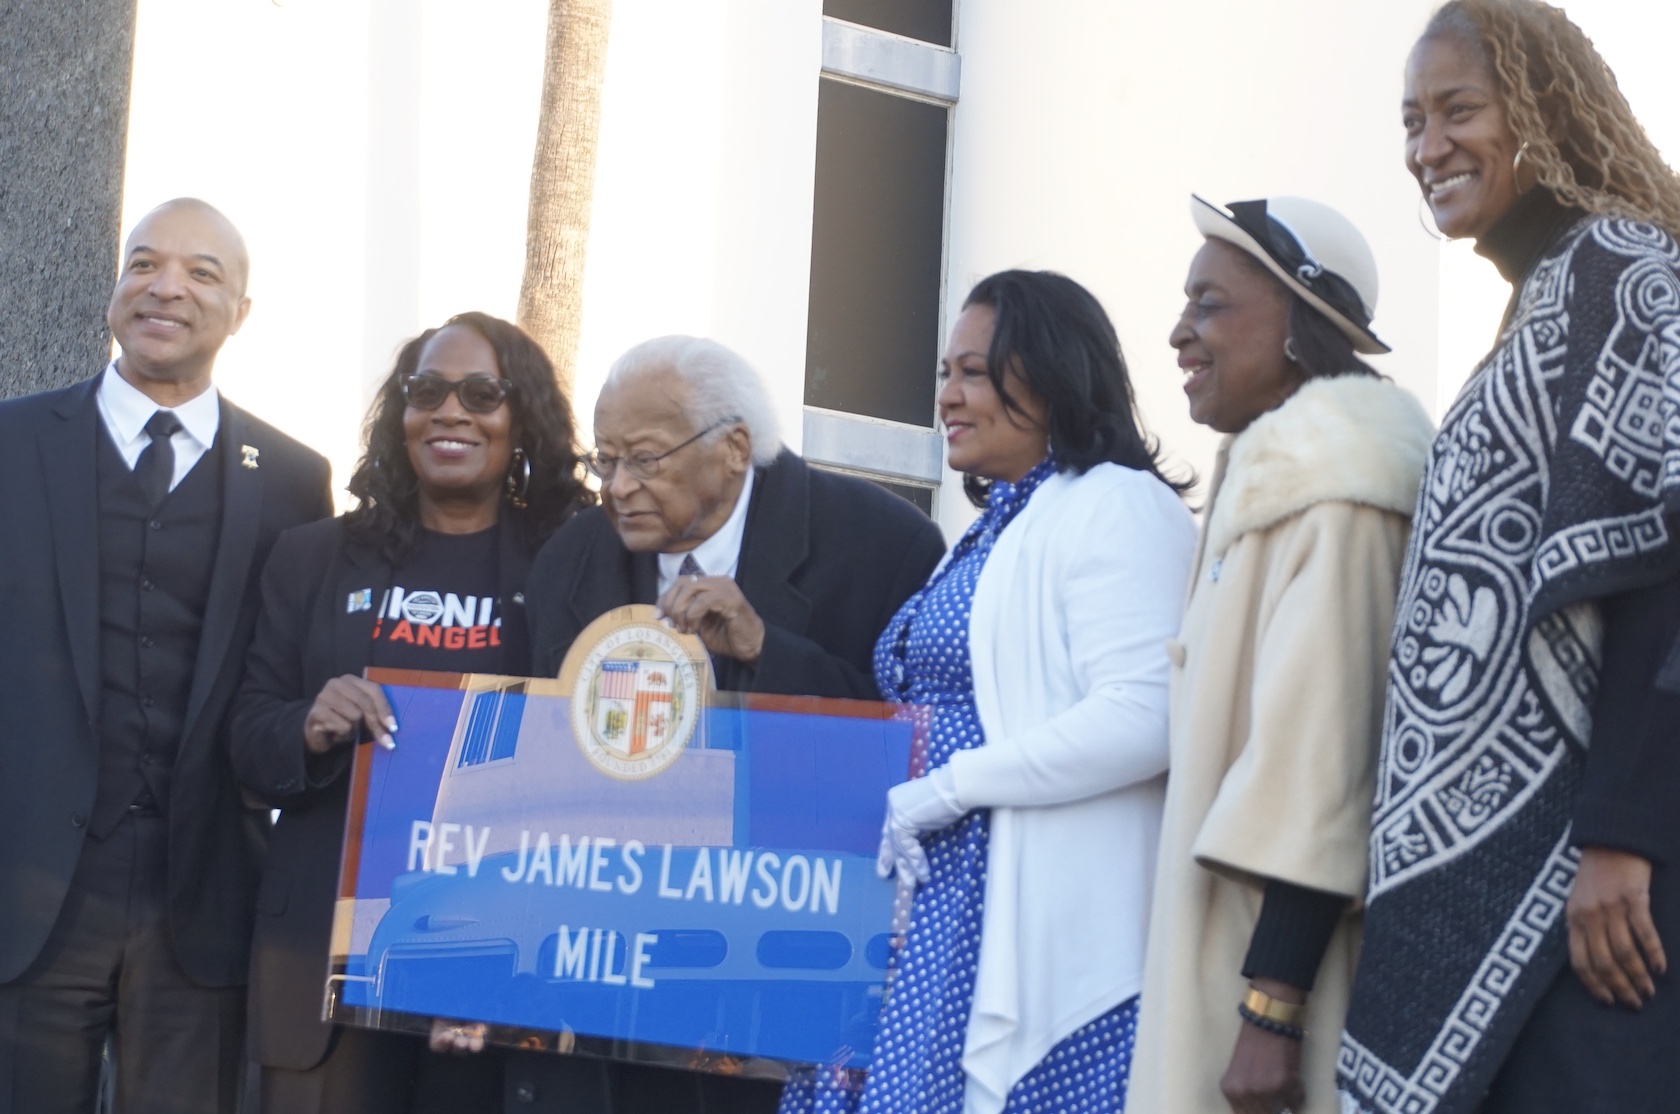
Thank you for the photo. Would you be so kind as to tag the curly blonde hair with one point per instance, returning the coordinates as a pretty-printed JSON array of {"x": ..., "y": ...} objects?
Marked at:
[{"x": 1582, "y": 140}]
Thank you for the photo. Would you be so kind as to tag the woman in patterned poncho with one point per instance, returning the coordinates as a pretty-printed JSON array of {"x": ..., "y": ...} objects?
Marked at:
[{"x": 1525, "y": 840}]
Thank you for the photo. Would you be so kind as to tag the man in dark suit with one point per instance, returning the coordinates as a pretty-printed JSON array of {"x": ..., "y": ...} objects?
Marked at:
[
  {"x": 138, "y": 508},
  {"x": 787, "y": 574}
]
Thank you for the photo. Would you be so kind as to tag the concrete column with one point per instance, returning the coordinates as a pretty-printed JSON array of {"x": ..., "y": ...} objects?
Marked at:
[{"x": 64, "y": 77}]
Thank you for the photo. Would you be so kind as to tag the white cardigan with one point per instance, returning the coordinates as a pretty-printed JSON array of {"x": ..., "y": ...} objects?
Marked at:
[{"x": 1068, "y": 637}]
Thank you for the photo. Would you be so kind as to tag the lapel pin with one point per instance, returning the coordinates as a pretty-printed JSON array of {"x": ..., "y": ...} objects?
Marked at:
[{"x": 248, "y": 457}]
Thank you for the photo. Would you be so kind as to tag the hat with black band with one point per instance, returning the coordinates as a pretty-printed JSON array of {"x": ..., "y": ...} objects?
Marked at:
[{"x": 1312, "y": 249}]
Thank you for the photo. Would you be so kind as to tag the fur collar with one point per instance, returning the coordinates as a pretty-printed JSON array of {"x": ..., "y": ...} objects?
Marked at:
[{"x": 1349, "y": 438}]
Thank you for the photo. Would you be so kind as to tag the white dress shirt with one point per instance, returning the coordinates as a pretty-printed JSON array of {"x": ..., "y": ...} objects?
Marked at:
[
  {"x": 718, "y": 555},
  {"x": 125, "y": 410}
]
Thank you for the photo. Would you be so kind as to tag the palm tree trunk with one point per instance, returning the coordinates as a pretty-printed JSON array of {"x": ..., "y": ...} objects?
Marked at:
[{"x": 563, "y": 179}]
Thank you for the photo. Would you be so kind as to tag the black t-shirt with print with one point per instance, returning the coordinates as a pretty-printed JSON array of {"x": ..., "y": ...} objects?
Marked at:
[{"x": 441, "y": 612}]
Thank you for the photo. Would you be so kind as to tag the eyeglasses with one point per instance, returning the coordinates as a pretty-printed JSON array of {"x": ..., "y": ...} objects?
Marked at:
[
  {"x": 642, "y": 464},
  {"x": 478, "y": 393}
]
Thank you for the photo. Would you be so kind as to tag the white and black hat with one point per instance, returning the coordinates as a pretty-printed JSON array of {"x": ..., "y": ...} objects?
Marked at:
[{"x": 1312, "y": 249}]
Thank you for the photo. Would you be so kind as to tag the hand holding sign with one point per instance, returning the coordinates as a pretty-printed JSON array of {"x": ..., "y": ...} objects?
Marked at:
[
  {"x": 457, "y": 1037},
  {"x": 344, "y": 705},
  {"x": 713, "y": 608}
]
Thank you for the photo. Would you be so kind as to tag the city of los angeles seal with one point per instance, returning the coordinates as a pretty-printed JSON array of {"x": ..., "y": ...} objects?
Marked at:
[{"x": 636, "y": 687}]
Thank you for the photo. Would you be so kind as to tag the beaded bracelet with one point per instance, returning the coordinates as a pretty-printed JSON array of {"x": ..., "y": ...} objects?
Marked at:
[{"x": 1277, "y": 1028}]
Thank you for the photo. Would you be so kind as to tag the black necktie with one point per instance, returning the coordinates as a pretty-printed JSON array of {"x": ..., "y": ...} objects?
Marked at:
[
  {"x": 156, "y": 466},
  {"x": 690, "y": 567}
]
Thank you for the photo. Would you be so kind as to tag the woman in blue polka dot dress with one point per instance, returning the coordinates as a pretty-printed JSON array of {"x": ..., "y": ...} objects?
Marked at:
[{"x": 1039, "y": 647}]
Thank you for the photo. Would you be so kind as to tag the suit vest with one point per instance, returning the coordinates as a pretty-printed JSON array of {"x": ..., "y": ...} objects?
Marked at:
[{"x": 154, "y": 583}]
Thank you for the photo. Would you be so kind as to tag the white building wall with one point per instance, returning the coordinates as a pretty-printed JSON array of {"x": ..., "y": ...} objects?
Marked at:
[{"x": 703, "y": 188}]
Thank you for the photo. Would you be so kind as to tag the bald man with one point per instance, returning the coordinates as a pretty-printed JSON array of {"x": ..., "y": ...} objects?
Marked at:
[{"x": 136, "y": 509}]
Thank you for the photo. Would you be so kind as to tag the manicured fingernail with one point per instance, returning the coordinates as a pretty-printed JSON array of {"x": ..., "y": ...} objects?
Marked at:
[
  {"x": 658, "y": 613},
  {"x": 391, "y": 723},
  {"x": 387, "y": 742}
]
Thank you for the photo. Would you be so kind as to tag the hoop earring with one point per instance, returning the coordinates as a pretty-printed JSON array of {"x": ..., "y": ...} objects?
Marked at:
[
  {"x": 1289, "y": 350},
  {"x": 1427, "y": 223},
  {"x": 1516, "y": 160},
  {"x": 519, "y": 480}
]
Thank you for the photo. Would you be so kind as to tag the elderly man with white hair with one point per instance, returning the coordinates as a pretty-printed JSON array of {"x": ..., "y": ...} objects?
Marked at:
[{"x": 787, "y": 574}]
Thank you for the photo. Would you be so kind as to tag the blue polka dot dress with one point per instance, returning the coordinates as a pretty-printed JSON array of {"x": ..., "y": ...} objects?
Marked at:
[{"x": 922, "y": 658}]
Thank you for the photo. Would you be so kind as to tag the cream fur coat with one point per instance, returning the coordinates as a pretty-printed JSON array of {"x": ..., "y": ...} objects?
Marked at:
[{"x": 1276, "y": 706}]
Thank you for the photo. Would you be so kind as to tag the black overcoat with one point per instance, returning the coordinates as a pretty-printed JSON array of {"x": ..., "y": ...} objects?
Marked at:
[{"x": 50, "y": 675}]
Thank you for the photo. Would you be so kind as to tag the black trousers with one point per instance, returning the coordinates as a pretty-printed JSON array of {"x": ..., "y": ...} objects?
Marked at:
[
  {"x": 109, "y": 968},
  {"x": 544, "y": 1083},
  {"x": 369, "y": 1072},
  {"x": 1575, "y": 1056}
]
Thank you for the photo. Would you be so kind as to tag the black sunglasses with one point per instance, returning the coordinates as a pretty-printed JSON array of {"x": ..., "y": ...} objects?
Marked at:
[{"x": 478, "y": 393}]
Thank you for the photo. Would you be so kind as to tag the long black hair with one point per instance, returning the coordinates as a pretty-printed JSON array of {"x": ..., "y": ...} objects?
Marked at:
[
  {"x": 1056, "y": 336},
  {"x": 388, "y": 517}
]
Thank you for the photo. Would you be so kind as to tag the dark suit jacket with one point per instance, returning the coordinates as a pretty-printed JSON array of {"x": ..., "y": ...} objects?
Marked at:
[
  {"x": 50, "y": 679},
  {"x": 306, "y": 637},
  {"x": 826, "y": 560}
]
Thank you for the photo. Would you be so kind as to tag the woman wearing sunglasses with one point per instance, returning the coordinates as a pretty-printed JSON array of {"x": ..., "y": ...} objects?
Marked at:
[{"x": 470, "y": 463}]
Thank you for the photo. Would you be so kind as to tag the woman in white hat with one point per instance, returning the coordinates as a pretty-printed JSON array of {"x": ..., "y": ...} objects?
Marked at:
[{"x": 1278, "y": 679}]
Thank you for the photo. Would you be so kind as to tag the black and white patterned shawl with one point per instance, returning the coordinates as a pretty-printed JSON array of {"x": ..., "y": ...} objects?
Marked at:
[{"x": 1554, "y": 481}]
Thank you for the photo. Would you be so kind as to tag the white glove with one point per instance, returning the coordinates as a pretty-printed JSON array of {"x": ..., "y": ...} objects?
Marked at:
[{"x": 923, "y": 805}]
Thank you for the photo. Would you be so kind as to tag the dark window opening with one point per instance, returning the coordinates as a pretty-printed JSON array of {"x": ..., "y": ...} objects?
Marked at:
[
  {"x": 922, "y": 497},
  {"x": 877, "y": 244},
  {"x": 918, "y": 496},
  {"x": 927, "y": 20}
]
